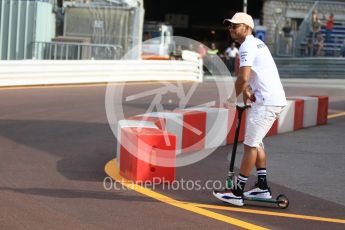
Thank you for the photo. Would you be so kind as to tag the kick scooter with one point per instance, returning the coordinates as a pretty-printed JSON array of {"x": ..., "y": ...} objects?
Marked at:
[{"x": 282, "y": 201}]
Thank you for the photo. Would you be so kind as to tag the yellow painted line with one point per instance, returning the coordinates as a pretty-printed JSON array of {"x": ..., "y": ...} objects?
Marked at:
[
  {"x": 336, "y": 115},
  {"x": 280, "y": 214},
  {"x": 112, "y": 171}
]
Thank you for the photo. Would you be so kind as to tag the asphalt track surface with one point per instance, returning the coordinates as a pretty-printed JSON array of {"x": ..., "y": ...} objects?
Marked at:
[{"x": 55, "y": 142}]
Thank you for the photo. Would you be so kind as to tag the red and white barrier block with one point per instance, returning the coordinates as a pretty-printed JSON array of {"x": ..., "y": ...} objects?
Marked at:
[
  {"x": 141, "y": 148},
  {"x": 303, "y": 112},
  {"x": 288, "y": 120},
  {"x": 322, "y": 110},
  {"x": 128, "y": 124},
  {"x": 315, "y": 110},
  {"x": 309, "y": 110},
  {"x": 218, "y": 122},
  {"x": 198, "y": 128},
  {"x": 173, "y": 124},
  {"x": 188, "y": 126},
  {"x": 232, "y": 127}
]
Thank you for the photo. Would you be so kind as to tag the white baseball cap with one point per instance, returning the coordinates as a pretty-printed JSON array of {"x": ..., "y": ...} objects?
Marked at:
[{"x": 240, "y": 18}]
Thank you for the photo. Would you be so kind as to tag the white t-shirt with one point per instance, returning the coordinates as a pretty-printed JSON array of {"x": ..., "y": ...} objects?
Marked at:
[
  {"x": 231, "y": 52},
  {"x": 264, "y": 77}
]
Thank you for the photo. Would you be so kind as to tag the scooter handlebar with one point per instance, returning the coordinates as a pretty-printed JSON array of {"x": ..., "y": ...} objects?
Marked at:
[{"x": 242, "y": 107}]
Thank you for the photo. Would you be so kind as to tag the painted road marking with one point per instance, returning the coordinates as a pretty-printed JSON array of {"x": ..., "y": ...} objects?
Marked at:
[
  {"x": 280, "y": 214},
  {"x": 336, "y": 115},
  {"x": 111, "y": 170}
]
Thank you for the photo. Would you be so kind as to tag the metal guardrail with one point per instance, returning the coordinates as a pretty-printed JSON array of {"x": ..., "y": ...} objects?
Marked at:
[
  {"x": 311, "y": 67},
  {"x": 75, "y": 51}
]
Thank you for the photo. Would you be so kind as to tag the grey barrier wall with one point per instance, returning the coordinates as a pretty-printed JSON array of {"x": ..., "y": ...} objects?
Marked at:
[
  {"x": 106, "y": 23},
  {"x": 28, "y": 27}
]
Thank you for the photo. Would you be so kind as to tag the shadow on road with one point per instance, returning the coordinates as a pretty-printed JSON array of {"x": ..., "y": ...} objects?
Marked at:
[
  {"x": 84, "y": 148},
  {"x": 68, "y": 193}
]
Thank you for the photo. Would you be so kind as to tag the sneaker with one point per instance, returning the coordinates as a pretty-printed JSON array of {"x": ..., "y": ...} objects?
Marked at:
[
  {"x": 256, "y": 192},
  {"x": 228, "y": 197}
]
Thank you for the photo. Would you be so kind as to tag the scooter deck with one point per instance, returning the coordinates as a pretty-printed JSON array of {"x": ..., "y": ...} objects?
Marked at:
[
  {"x": 272, "y": 201},
  {"x": 282, "y": 201}
]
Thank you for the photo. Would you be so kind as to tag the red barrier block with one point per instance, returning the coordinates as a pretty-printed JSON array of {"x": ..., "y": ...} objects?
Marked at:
[
  {"x": 194, "y": 130},
  {"x": 141, "y": 148},
  {"x": 299, "y": 113},
  {"x": 231, "y": 134},
  {"x": 322, "y": 110},
  {"x": 273, "y": 130}
]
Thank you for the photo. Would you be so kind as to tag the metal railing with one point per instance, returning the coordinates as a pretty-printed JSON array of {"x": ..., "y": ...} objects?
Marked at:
[
  {"x": 217, "y": 66},
  {"x": 304, "y": 29},
  {"x": 75, "y": 51},
  {"x": 285, "y": 46}
]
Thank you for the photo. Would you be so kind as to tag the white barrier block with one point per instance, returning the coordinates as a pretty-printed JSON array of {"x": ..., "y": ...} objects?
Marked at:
[
  {"x": 286, "y": 118},
  {"x": 310, "y": 110}
]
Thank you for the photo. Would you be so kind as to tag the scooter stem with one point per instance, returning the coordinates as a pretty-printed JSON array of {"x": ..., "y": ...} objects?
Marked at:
[{"x": 234, "y": 146}]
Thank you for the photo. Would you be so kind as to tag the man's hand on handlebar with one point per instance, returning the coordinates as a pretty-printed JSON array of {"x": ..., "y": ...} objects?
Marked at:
[{"x": 248, "y": 96}]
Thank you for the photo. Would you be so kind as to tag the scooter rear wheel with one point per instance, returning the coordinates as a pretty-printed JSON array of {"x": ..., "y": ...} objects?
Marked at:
[{"x": 282, "y": 201}]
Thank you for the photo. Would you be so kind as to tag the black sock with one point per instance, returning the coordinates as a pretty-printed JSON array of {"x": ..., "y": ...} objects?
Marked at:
[
  {"x": 239, "y": 185},
  {"x": 262, "y": 179}
]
